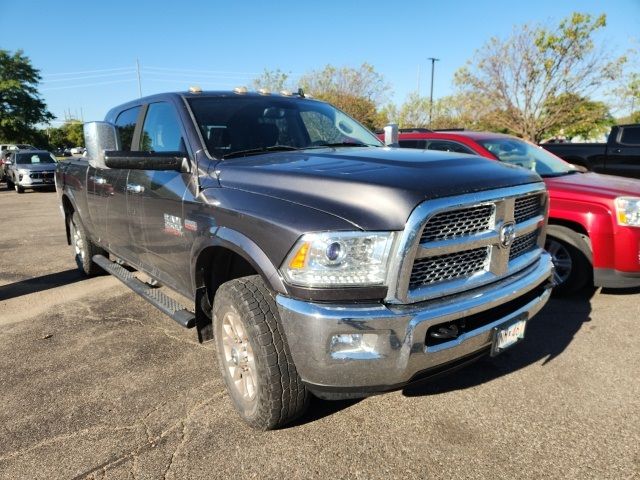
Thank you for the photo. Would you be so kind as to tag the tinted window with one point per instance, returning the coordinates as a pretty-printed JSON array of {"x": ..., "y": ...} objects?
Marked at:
[
  {"x": 239, "y": 123},
  {"x": 630, "y": 136},
  {"x": 445, "y": 146},
  {"x": 126, "y": 124},
  {"x": 161, "y": 131},
  {"x": 413, "y": 143},
  {"x": 34, "y": 158}
]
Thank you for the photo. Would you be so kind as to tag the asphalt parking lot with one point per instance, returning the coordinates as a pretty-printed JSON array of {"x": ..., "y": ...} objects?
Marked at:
[{"x": 95, "y": 383}]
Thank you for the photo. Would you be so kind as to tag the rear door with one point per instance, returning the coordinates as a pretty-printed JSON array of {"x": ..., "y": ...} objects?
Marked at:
[
  {"x": 623, "y": 155},
  {"x": 155, "y": 201}
]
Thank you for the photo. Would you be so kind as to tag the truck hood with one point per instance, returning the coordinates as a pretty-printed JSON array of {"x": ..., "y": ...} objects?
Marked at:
[
  {"x": 594, "y": 185},
  {"x": 373, "y": 188}
]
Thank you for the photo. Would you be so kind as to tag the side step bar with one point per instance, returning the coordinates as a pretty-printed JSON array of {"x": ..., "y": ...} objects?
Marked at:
[{"x": 152, "y": 295}]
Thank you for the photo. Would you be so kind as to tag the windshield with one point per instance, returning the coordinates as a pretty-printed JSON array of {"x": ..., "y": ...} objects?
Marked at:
[
  {"x": 237, "y": 124},
  {"x": 524, "y": 154},
  {"x": 34, "y": 158}
]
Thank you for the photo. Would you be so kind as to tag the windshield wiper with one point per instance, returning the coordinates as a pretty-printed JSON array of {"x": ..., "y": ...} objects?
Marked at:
[
  {"x": 558, "y": 174},
  {"x": 341, "y": 144},
  {"x": 255, "y": 151}
]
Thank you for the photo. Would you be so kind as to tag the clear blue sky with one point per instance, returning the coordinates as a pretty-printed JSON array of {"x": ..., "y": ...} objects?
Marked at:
[{"x": 86, "y": 51}]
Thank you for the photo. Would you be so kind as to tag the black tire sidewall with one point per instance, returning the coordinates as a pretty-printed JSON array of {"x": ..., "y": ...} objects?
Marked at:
[{"x": 581, "y": 270}]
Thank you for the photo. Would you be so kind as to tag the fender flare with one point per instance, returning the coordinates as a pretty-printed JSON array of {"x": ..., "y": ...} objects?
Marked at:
[{"x": 243, "y": 246}]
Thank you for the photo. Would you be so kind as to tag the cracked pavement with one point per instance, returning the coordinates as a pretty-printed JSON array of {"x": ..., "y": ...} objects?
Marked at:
[{"x": 97, "y": 384}]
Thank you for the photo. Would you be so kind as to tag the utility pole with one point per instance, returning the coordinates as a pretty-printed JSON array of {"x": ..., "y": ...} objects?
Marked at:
[
  {"x": 433, "y": 62},
  {"x": 139, "y": 83}
]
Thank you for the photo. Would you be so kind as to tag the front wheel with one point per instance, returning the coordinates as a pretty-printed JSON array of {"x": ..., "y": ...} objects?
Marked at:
[
  {"x": 19, "y": 189},
  {"x": 83, "y": 248},
  {"x": 572, "y": 266},
  {"x": 9, "y": 184},
  {"x": 254, "y": 356}
]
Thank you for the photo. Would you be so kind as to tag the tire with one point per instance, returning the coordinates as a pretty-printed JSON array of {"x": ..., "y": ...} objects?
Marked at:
[
  {"x": 18, "y": 188},
  {"x": 9, "y": 184},
  {"x": 84, "y": 249},
  {"x": 254, "y": 356},
  {"x": 571, "y": 258}
]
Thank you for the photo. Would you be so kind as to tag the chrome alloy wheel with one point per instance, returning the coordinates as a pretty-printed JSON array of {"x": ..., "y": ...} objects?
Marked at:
[
  {"x": 238, "y": 355},
  {"x": 561, "y": 258},
  {"x": 78, "y": 243}
]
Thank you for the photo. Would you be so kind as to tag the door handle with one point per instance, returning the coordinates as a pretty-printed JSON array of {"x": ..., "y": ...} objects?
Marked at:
[
  {"x": 618, "y": 150},
  {"x": 133, "y": 188}
]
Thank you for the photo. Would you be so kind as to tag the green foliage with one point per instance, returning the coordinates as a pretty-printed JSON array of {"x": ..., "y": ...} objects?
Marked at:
[
  {"x": 70, "y": 134},
  {"x": 21, "y": 107},
  {"x": 520, "y": 79},
  {"x": 356, "y": 91},
  {"x": 585, "y": 118},
  {"x": 272, "y": 81}
]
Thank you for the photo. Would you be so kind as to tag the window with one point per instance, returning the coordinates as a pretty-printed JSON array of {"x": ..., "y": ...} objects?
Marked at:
[
  {"x": 413, "y": 143},
  {"x": 126, "y": 124},
  {"x": 630, "y": 136},
  {"x": 161, "y": 131},
  {"x": 446, "y": 146}
]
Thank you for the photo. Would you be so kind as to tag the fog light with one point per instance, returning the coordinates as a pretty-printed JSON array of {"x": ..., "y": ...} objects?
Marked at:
[{"x": 354, "y": 345}]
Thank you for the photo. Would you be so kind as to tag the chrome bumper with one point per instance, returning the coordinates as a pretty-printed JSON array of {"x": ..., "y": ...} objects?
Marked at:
[{"x": 396, "y": 350}]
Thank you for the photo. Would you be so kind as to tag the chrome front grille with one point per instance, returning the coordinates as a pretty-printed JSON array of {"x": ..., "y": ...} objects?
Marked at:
[
  {"x": 458, "y": 223},
  {"x": 48, "y": 175},
  {"x": 431, "y": 270},
  {"x": 453, "y": 244},
  {"x": 527, "y": 208},
  {"x": 523, "y": 244}
]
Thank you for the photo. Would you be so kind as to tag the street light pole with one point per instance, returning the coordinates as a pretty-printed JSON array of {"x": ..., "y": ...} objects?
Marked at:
[{"x": 433, "y": 62}]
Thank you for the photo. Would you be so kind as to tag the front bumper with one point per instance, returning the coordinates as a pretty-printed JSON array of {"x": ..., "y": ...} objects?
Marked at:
[
  {"x": 28, "y": 182},
  {"x": 400, "y": 349}
]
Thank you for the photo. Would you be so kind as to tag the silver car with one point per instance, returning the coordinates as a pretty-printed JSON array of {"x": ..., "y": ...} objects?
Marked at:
[{"x": 30, "y": 169}]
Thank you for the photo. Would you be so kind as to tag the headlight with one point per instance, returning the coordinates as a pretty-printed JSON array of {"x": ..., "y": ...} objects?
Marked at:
[
  {"x": 24, "y": 172},
  {"x": 338, "y": 259},
  {"x": 628, "y": 211}
]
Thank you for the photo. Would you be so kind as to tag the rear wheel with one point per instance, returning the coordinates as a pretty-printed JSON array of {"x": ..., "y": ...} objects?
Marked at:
[
  {"x": 254, "y": 356},
  {"x": 83, "y": 248},
  {"x": 571, "y": 261}
]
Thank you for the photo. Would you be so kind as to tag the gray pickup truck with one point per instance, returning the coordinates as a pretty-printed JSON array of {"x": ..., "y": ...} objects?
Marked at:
[{"x": 320, "y": 260}]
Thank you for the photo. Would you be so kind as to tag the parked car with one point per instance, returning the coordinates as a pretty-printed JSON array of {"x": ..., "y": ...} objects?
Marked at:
[
  {"x": 619, "y": 156},
  {"x": 30, "y": 169},
  {"x": 77, "y": 151},
  {"x": 323, "y": 262},
  {"x": 593, "y": 233},
  {"x": 16, "y": 146}
]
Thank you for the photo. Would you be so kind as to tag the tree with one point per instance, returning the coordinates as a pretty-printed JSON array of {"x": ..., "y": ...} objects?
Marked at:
[
  {"x": 357, "y": 91},
  {"x": 272, "y": 81},
  {"x": 585, "y": 118},
  {"x": 21, "y": 107},
  {"x": 520, "y": 77}
]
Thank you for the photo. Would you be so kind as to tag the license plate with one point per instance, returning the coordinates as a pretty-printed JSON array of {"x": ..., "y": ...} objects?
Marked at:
[{"x": 507, "y": 335}]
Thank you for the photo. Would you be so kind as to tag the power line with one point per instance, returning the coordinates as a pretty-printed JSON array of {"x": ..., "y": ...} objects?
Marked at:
[
  {"x": 85, "y": 72},
  {"x": 89, "y": 85},
  {"x": 73, "y": 79}
]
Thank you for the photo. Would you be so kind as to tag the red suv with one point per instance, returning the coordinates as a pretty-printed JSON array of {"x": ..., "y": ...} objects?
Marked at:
[{"x": 594, "y": 219}]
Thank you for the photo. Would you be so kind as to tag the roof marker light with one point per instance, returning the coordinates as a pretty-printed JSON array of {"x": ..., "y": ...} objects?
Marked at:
[
  {"x": 195, "y": 89},
  {"x": 240, "y": 90},
  {"x": 264, "y": 91}
]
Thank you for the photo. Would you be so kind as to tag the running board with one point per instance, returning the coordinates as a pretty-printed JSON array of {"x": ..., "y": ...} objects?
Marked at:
[{"x": 152, "y": 295}]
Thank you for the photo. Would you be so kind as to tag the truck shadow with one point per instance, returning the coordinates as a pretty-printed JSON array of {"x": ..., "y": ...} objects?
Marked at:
[
  {"x": 40, "y": 284},
  {"x": 547, "y": 336}
]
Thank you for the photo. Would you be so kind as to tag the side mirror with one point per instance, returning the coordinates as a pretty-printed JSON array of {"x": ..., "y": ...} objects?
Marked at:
[
  {"x": 98, "y": 138},
  {"x": 175, "y": 161},
  {"x": 391, "y": 135}
]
